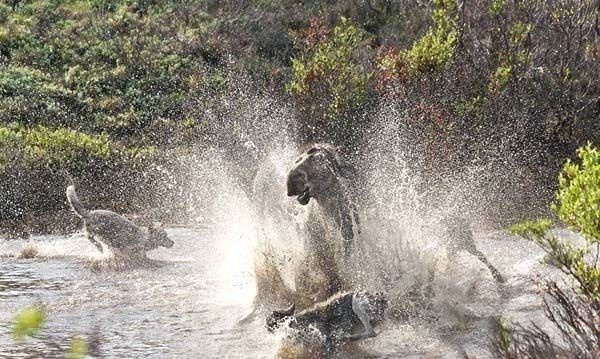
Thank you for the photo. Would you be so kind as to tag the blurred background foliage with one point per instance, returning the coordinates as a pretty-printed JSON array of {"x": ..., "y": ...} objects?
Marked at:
[
  {"x": 101, "y": 88},
  {"x": 28, "y": 324}
]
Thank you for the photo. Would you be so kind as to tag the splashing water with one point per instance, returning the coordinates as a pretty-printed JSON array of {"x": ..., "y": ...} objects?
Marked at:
[
  {"x": 250, "y": 245},
  {"x": 403, "y": 237}
]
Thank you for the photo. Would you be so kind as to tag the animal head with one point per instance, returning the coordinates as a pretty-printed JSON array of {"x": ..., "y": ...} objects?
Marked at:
[
  {"x": 316, "y": 174},
  {"x": 157, "y": 237},
  {"x": 278, "y": 317}
]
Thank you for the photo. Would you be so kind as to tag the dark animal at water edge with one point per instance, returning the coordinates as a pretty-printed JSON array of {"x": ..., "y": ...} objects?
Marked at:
[
  {"x": 123, "y": 237},
  {"x": 344, "y": 317}
]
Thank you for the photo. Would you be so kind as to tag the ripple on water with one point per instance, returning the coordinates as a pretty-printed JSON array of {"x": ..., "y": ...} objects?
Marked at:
[
  {"x": 175, "y": 308},
  {"x": 188, "y": 305}
]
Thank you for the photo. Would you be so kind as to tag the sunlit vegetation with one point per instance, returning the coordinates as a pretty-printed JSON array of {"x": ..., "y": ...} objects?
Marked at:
[
  {"x": 107, "y": 91},
  {"x": 436, "y": 47},
  {"x": 62, "y": 146},
  {"x": 117, "y": 78},
  {"x": 574, "y": 311},
  {"x": 30, "y": 321},
  {"x": 40, "y": 158},
  {"x": 78, "y": 349},
  {"x": 27, "y": 322},
  {"x": 329, "y": 70},
  {"x": 112, "y": 67}
]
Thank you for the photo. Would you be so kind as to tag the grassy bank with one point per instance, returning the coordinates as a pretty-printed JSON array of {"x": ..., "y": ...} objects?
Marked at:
[
  {"x": 107, "y": 88},
  {"x": 34, "y": 165}
]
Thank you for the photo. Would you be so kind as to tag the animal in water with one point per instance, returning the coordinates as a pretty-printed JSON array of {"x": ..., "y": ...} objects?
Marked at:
[
  {"x": 460, "y": 237},
  {"x": 320, "y": 173},
  {"x": 123, "y": 237},
  {"x": 345, "y": 316}
]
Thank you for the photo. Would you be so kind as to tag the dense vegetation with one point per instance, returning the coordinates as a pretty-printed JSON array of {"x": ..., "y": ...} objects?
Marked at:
[{"x": 106, "y": 88}]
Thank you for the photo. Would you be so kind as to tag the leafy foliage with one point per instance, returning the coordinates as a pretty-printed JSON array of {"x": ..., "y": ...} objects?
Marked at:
[
  {"x": 436, "y": 48},
  {"x": 65, "y": 147},
  {"x": 578, "y": 198},
  {"x": 38, "y": 157},
  {"x": 576, "y": 314},
  {"x": 114, "y": 71},
  {"x": 331, "y": 72},
  {"x": 577, "y": 203},
  {"x": 27, "y": 322},
  {"x": 78, "y": 349},
  {"x": 472, "y": 77},
  {"x": 30, "y": 320},
  {"x": 499, "y": 78}
]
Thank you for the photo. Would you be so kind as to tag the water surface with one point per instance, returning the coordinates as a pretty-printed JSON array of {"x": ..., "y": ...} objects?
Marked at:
[{"x": 188, "y": 304}]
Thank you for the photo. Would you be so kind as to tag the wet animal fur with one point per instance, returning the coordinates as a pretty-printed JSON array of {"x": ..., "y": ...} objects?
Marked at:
[
  {"x": 320, "y": 173},
  {"x": 346, "y": 316},
  {"x": 125, "y": 239}
]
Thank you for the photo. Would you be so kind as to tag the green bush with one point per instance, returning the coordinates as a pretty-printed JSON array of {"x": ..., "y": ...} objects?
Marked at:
[
  {"x": 578, "y": 206},
  {"x": 578, "y": 197},
  {"x": 433, "y": 51},
  {"x": 329, "y": 79},
  {"x": 520, "y": 76},
  {"x": 28, "y": 321},
  {"x": 32, "y": 164},
  {"x": 576, "y": 313},
  {"x": 30, "y": 96},
  {"x": 496, "y": 7},
  {"x": 61, "y": 147},
  {"x": 104, "y": 68},
  {"x": 499, "y": 78}
]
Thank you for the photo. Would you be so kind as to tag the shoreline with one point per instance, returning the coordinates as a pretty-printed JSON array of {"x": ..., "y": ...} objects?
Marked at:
[
  {"x": 59, "y": 222},
  {"x": 62, "y": 222}
]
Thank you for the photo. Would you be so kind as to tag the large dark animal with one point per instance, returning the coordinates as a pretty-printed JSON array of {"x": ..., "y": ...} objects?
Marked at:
[{"x": 320, "y": 173}]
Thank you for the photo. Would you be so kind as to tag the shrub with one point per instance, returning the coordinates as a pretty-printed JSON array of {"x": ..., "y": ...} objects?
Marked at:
[
  {"x": 61, "y": 147},
  {"x": 499, "y": 78},
  {"x": 30, "y": 320},
  {"x": 516, "y": 75},
  {"x": 576, "y": 312},
  {"x": 329, "y": 79},
  {"x": 578, "y": 197},
  {"x": 105, "y": 68},
  {"x": 391, "y": 73},
  {"x": 436, "y": 47},
  {"x": 32, "y": 160}
]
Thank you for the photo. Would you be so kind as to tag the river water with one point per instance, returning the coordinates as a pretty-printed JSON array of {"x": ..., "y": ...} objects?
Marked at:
[{"x": 188, "y": 304}]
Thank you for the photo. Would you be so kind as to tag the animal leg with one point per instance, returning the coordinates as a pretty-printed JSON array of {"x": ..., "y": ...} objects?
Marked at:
[
  {"x": 96, "y": 243},
  {"x": 347, "y": 234},
  {"x": 359, "y": 305},
  {"x": 495, "y": 273},
  {"x": 462, "y": 233}
]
